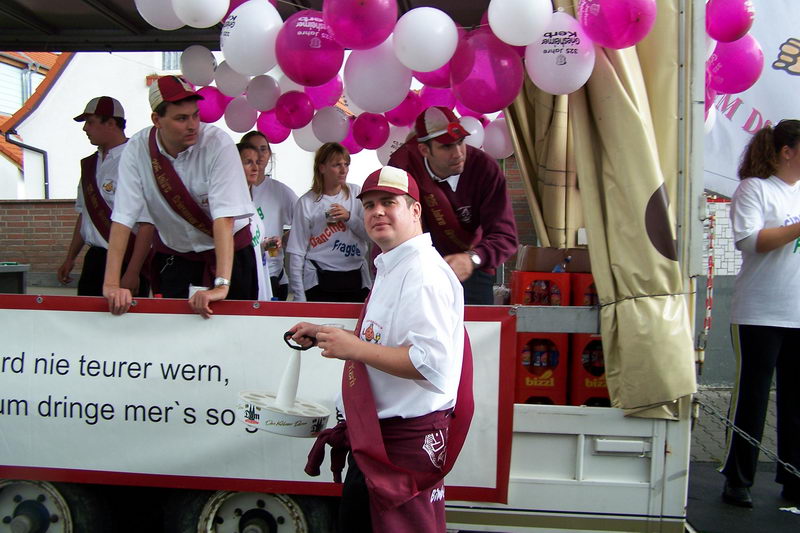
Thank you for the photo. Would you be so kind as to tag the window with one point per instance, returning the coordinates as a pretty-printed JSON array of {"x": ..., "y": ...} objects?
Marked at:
[{"x": 170, "y": 61}]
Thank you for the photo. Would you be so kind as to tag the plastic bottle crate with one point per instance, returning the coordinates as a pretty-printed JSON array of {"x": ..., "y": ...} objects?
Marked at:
[
  {"x": 542, "y": 368},
  {"x": 582, "y": 290},
  {"x": 587, "y": 371},
  {"x": 540, "y": 288}
]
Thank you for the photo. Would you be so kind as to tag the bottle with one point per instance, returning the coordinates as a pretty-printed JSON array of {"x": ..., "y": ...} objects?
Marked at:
[{"x": 562, "y": 266}]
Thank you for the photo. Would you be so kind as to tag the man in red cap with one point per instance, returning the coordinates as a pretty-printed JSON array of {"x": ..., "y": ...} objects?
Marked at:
[
  {"x": 465, "y": 204},
  {"x": 104, "y": 123},
  {"x": 407, "y": 381},
  {"x": 186, "y": 178}
]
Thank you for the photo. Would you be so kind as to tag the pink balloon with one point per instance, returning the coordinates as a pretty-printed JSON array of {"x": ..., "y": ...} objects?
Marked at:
[
  {"x": 294, "y": 109},
  {"x": 432, "y": 96},
  {"x": 371, "y": 130},
  {"x": 617, "y": 23},
  {"x": 349, "y": 142},
  {"x": 405, "y": 113},
  {"x": 436, "y": 78},
  {"x": 306, "y": 51},
  {"x": 268, "y": 124},
  {"x": 236, "y": 3},
  {"x": 213, "y": 104},
  {"x": 486, "y": 74},
  {"x": 327, "y": 94},
  {"x": 729, "y": 20},
  {"x": 735, "y": 67},
  {"x": 360, "y": 25}
]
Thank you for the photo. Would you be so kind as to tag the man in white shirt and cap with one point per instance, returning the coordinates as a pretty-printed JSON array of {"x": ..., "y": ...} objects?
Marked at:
[
  {"x": 186, "y": 178},
  {"x": 104, "y": 124},
  {"x": 407, "y": 380}
]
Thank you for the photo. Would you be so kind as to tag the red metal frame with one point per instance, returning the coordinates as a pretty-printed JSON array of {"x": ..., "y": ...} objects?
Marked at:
[{"x": 329, "y": 310}]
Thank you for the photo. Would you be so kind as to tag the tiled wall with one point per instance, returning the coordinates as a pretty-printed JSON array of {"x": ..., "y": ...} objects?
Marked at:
[{"x": 727, "y": 259}]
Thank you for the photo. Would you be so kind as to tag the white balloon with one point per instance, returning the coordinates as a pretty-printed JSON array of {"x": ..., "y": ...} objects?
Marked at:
[
  {"x": 200, "y": 13},
  {"x": 230, "y": 82},
  {"x": 248, "y": 37},
  {"x": 375, "y": 80},
  {"x": 562, "y": 58},
  {"x": 198, "y": 64},
  {"x": 330, "y": 125},
  {"x": 519, "y": 22},
  {"x": 350, "y": 105},
  {"x": 711, "y": 119},
  {"x": 159, "y": 14},
  {"x": 263, "y": 92},
  {"x": 305, "y": 139},
  {"x": 286, "y": 84},
  {"x": 239, "y": 115},
  {"x": 397, "y": 137},
  {"x": 425, "y": 38},
  {"x": 497, "y": 140},
  {"x": 475, "y": 129}
]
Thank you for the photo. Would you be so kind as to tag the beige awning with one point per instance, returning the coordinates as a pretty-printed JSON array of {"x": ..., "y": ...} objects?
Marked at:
[{"x": 619, "y": 135}]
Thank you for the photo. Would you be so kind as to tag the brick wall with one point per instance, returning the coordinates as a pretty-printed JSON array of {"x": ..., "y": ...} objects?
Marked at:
[{"x": 38, "y": 233}]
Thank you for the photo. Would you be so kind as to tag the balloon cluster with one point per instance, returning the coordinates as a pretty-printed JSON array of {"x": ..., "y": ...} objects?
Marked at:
[
  {"x": 734, "y": 59},
  {"x": 283, "y": 77}
]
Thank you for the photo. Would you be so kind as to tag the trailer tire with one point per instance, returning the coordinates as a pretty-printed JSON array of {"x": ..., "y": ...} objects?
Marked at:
[
  {"x": 88, "y": 509},
  {"x": 227, "y": 511},
  {"x": 67, "y": 507}
]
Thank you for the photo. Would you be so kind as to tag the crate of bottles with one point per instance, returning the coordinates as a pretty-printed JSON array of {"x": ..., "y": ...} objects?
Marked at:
[
  {"x": 583, "y": 290},
  {"x": 587, "y": 383},
  {"x": 540, "y": 288},
  {"x": 542, "y": 368}
]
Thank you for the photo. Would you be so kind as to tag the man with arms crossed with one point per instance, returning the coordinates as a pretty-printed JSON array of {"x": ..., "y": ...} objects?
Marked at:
[
  {"x": 465, "y": 205},
  {"x": 187, "y": 179},
  {"x": 407, "y": 383},
  {"x": 104, "y": 123}
]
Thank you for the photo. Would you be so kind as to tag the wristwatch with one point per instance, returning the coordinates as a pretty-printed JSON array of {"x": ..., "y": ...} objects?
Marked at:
[
  {"x": 219, "y": 282},
  {"x": 474, "y": 257}
]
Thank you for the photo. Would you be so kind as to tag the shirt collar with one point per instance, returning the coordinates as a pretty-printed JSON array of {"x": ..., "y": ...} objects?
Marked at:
[
  {"x": 386, "y": 261},
  {"x": 450, "y": 180}
]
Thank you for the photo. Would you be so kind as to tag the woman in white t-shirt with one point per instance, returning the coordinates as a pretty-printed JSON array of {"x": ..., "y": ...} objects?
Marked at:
[
  {"x": 765, "y": 323},
  {"x": 249, "y": 155},
  {"x": 328, "y": 245}
]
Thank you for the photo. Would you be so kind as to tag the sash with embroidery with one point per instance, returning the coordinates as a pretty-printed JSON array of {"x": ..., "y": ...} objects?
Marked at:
[
  {"x": 441, "y": 220},
  {"x": 95, "y": 205},
  {"x": 175, "y": 192},
  {"x": 389, "y": 484}
]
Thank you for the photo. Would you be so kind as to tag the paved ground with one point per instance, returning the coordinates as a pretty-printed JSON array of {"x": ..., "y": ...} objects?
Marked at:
[{"x": 708, "y": 436}]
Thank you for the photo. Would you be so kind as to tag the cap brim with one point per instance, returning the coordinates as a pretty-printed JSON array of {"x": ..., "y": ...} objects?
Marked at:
[
  {"x": 184, "y": 95},
  {"x": 449, "y": 138},
  {"x": 384, "y": 188},
  {"x": 82, "y": 117}
]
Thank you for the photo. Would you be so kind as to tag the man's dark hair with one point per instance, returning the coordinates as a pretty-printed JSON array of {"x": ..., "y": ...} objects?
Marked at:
[{"x": 119, "y": 121}]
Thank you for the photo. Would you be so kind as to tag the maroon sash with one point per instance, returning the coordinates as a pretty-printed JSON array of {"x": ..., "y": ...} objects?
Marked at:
[
  {"x": 440, "y": 217},
  {"x": 96, "y": 206},
  {"x": 389, "y": 484},
  {"x": 175, "y": 192}
]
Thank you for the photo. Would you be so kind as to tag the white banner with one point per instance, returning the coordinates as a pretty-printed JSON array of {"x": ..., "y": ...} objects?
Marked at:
[
  {"x": 153, "y": 393},
  {"x": 771, "y": 99}
]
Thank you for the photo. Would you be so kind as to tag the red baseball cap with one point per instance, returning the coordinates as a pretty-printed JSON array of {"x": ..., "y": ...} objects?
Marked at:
[
  {"x": 102, "y": 105},
  {"x": 170, "y": 89},
  {"x": 392, "y": 180},
  {"x": 439, "y": 124}
]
